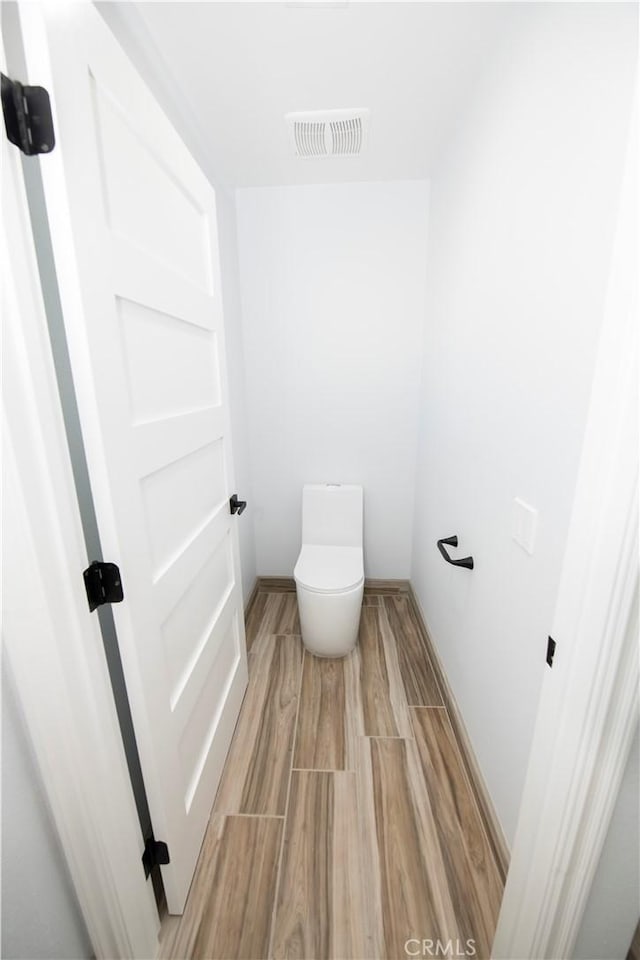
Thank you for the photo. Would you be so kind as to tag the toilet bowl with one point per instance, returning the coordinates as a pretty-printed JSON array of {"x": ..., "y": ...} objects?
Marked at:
[{"x": 329, "y": 573}]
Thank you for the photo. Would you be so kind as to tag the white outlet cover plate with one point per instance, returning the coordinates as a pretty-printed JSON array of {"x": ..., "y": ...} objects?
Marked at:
[{"x": 524, "y": 525}]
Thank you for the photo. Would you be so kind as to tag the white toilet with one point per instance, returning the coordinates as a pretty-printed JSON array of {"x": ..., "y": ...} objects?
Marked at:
[{"x": 329, "y": 573}]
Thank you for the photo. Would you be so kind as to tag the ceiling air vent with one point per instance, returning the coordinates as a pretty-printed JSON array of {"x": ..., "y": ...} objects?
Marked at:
[{"x": 328, "y": 133}]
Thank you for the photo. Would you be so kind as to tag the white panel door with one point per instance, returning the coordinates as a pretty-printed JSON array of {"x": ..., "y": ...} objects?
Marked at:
[{"x": 134, "y": 232}]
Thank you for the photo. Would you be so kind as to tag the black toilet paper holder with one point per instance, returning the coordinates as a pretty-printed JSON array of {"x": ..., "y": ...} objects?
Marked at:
[{"x": 453, "y": 542}]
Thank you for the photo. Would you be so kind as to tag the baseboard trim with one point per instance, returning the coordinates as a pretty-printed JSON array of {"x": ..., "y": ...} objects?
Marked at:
[
  {"x": 288, "y": 585},
  {"x": 386, "y": 586},
  {"x": 276, "y": 585},
  {"x": 488, "y": 814},
  {"x": 252, "y": 598}
]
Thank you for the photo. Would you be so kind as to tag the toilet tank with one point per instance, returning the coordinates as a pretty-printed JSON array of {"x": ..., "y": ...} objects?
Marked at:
[{"x": 332, "y": 514}]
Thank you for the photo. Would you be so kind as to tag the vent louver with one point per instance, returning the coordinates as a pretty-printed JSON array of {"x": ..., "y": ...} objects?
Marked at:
[{"x": 328, "y": 133}]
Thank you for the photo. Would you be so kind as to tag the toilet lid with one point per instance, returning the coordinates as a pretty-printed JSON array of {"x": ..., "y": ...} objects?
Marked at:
[{"x": 329, "y": 569}]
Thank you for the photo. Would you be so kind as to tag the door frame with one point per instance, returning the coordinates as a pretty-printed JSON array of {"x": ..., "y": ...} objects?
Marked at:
[{"x": 52, "y": 644}]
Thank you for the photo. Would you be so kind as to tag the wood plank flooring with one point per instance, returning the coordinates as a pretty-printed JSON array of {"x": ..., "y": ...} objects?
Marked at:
[
  {"x": 235, "y": 879},
  {"x": 466, "y": 851},
  {"x": 320, "y": 891},
  {"x": 420, "y": 684},
  {"x": 385, "y": 712},
  {"x": 322, "y": 722},
  {"x": 256, "y": 775},
  {"x": 345, "y": 824}
]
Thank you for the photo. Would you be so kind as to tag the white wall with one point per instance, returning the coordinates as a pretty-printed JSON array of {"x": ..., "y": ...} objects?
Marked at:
[
  {"x": 333, "y": 301},
  {"x": 520, "y": 227},
  {"x": 40, "y": 912}
]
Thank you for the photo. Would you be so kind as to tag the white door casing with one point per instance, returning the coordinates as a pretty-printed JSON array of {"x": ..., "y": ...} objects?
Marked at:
[{"x": 134, "y": 235}]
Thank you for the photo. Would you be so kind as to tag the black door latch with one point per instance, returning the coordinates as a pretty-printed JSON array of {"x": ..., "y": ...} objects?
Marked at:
[
  {"x": 551, "y": 651},
  {"x": 237, "y": 506}
]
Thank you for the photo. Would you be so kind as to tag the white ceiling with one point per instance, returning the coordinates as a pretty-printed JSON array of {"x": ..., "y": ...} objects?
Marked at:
[{"x": 242, "y": 66}]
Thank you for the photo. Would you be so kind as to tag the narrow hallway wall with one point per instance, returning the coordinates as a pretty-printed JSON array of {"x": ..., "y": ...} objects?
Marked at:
[
  {"x": 522, "y": 211},
  {"x": 333, "y": 301}
]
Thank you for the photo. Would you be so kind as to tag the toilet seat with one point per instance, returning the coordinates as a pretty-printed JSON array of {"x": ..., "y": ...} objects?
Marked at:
[{"x": 329, "y": 569}]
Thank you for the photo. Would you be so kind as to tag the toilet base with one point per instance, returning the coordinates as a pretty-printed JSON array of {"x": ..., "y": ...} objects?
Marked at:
[{"x": 329, "y": 621}]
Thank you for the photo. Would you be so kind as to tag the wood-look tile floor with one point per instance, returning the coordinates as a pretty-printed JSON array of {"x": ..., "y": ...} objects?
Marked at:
[{"x": 344, "y": 825}]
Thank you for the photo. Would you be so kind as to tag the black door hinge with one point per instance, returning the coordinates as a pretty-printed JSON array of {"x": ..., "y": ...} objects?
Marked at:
[
  {"x": 551, "y": 651},
  {"x": 27, "y": 117},
  {"x": 156, "y": 852},
  {"x": 103, "y": 584}
]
